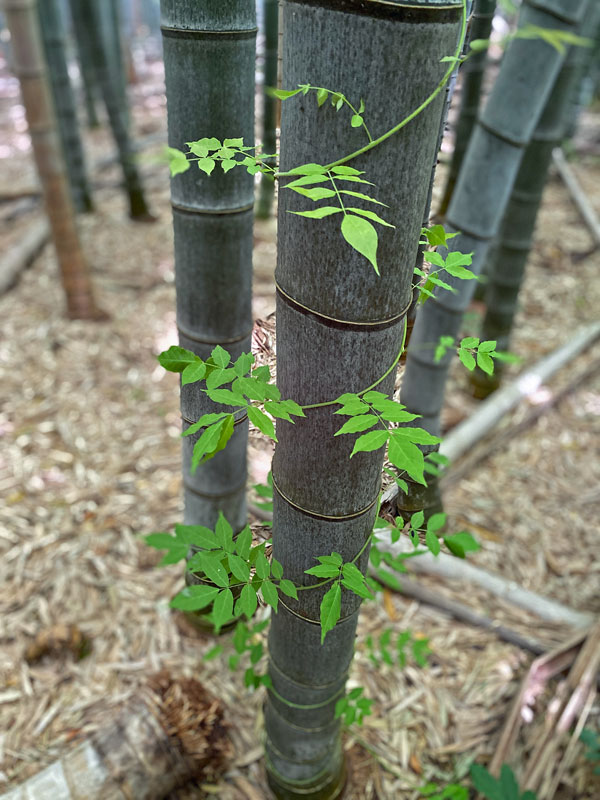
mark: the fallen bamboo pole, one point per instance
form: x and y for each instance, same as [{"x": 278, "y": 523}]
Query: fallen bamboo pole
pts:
[
  {"x": 23, "y": 253},
  {"x": 168, "y": 734},
  {"x": 577, "y": 194}
]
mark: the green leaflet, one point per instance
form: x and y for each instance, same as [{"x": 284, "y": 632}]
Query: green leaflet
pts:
[
  {"x": 358, "y": 424},
  {"x": 318, "y": 213},
  {"x": 247, "y": 601},
  {"x": 178, "y": 162},
  {"x": 364, "y": 212},
  {"x": 222, "y": 609},
  {"x": 262, "y": 422},
  {"x": 370, "y": 441},
  {"x": 176, "y": 359},
  {"x": 176, "y": 551},
  {"x": 213, "y": 568},
  {"x": 194, "y": 598},
  {"x": 269, "y": 593},
  {"x": 288, "y": 588},
  {"x": 461, "y": 543},
  {"x": 330, "y": 609},
  {"x": 193, "y": 372},
  {"x": 406, "y": 456},
  {"x": 205, "y": 419},
  {"x": 360, "y": 195},
  {"x": 362, "y": 236}
]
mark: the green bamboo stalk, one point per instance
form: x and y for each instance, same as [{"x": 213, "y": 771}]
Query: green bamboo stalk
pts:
[
  {"x": 488, "y": 172},
  {"x": 209, "y": 51},
  {"x": 269, "y": 121},
  {"x": 29, "y": 65},
  {"x": 473, "y": 72},
  {"x": 90, "y": 13},
  {"x": 53, "y": 37},
  {"x": 507, "y": 268},
  {"x": 86, "y": 65},
  {"x": 339, "y": 328}
]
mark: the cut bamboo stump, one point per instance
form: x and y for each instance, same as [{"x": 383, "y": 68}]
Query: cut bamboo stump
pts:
[{"x": 171, "y": 732}]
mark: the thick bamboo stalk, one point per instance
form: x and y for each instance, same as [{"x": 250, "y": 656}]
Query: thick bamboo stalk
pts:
[
  {"x": 88, "y": 14},
  {"x": 209, "y": 70},
  {"x": 53, "y": 37},
  {"x": 269, "y": 120},
  {"x": 490, "y": 166},
  {"x": 168, "y": 734},
  {"x": 506, "y": 269},
  {"x": 21, "y": 17},
  {"x": 339, "y": 328},
  {"x": 473, "y": 72}
]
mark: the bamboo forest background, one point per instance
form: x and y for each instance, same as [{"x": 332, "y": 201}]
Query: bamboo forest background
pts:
[{"x": 91, "y": 457}]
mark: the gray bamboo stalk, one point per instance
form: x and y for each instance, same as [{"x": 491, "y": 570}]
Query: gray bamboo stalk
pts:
[
  {"x": 339, "y": 327},
  {"x": 209, "y": 51},
  {"x": 29, "y": 65},
  {"x": 506, "y": 270},
  {"x": 53, "y": 37},
  {"x": 473, "y": 71},
  {"x": 269, "y": 120},
  {"x": 89, "y": 14},
  {"x": 489, "y": 169},
  {"x": 86, "y": 65}
]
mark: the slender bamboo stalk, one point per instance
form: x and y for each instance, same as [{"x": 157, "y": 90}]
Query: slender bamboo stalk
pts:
[
  {"x": 86, "y": 65},
  {"x": 473, "y": 72},
  {"x": 53, "y": 38},
  {"x": 209, "y": 70},
  {"x": 489, "y": 169},
  {"x": 21, "y": 17},
  {"x": 269, "y": 138},
  {"x": 507, "y": 268},
  {"x": 88, "y": 14},
  {"x": 339, "y": 327}
]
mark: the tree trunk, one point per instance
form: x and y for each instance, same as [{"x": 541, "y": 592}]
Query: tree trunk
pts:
[
  {"x": 88, "y": 15},
  {"x": 488, "y": 172},
  {"x": 168, "y": 734},
  {"x": 209, "y": 52},
  {"x": 86, "y": 65},
  {"x": 339, "y": 328},
  {"x": 53, "y": 38},
  {"x": 473, "y": 72},
  {"x": 21, "y": 17},
  {"x": 507, "y": 269},
  {"x": 269, "y": 138}
]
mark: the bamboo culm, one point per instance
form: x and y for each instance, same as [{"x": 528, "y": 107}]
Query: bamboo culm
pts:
[
  {"x": 506, "y": 268},
  {"x": 478, "y": 203},
  {"x": 29, "y": 65},
  {"x": 473, "y": 72},
  {"x": 53, "y": 37},
  {"x": 88, "y": 14},
  {"x": 209, "y": 52},
  {"x": 269, "y": 120},
  {"x": 339, "y": 327}
]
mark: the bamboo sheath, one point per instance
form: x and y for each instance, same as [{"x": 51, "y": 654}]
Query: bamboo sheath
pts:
[
  {"x": 490, "y": 166},
  {"x": 269, "y": 121},
  {"x": 339, "y": 327},
  {"x": 28, "y": 59},
  {"x": 54, "y": 41},
  {"x": 506, "y": 270},
  {"x": 473, "y": 71},
  {"x": 209, "y": 51},
  {"x": 88, "y": 19}
]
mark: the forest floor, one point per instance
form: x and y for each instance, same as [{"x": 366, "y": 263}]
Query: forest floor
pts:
[{"x": 90, "y": 462}]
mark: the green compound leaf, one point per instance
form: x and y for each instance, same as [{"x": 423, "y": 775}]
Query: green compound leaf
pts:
[
  {"x": 461, "y": 543},
  {"x": 288, "y": 588},
  {"x": 269, "y": 593},
  {"x": 247, "y": 601},
  {"x": 370, "y": 441},
  {"x": 318, "y": 213},
  {"x": 359, "y": 194},
  {"x": 362, "y": 236},
  {"x": 364, "y": 212},
  {"x": 178, "y": 162},
  {"x": 358, "y": 424},
  {"x": 194, "y": 598},
  {"x": 222, "y": 609},
  {"x": 262, "y": 422},
  {"x": 330, "y": 609},
  {"x": 406, "y": 456},
  {"x": 193, "y": 373},
  {"x": 176, "y": 359}
]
